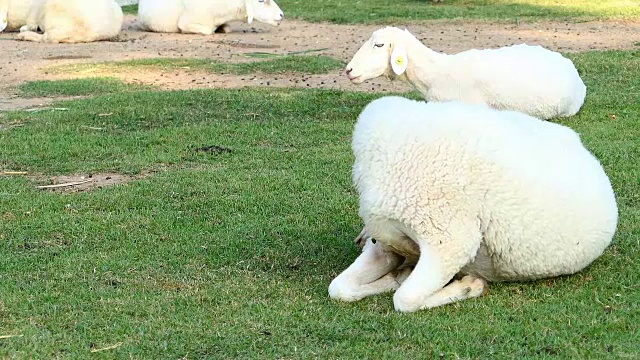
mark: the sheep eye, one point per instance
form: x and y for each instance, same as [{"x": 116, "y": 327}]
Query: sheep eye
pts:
[
  {"x": 378, "y": 45},
  {"x": 260, "y": 1}
]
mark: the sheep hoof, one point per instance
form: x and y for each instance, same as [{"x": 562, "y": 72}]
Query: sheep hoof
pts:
[
  {"x": 361, "y": 239},
  {"x": 475, "y": 287},
  {"x": 223, "y": 29}
]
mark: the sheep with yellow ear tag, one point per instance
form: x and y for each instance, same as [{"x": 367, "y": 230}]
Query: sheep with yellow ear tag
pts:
[{"x": 529, "y": 79}]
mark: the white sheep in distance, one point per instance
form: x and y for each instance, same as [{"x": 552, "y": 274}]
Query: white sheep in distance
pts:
[
  {"x": 462, "y": 189},
  {"x": 13, "y": 14},
  {"x": 72, "y": 21},
  {"x": 205, "y": 16},
  {"x": 529, "y": 79}
]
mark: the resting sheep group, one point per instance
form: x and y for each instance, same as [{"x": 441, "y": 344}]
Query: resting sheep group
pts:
[
  {"x": 75, "y": 21},
  {"x": 205, "y": 16},
  {"x": 461, "y": 189},
  {"x": 528, "y": 79},
  {"x": 63, "y": 21}
]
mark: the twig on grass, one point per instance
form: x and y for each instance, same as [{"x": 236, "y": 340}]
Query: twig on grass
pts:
[
  {"x": 46, "y": 108},
  {"x": 115, "y": 346},
  {"x": 91, "y": 127},
  {"x": 64, "y": 185},
  {"x": 10, "y": 336}
]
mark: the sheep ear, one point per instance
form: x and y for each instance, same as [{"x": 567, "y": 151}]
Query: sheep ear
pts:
[
  {"x": 3, "y": 20},
  {"x": 250, "y": 10},
  {"x": 399, "y": 60}
]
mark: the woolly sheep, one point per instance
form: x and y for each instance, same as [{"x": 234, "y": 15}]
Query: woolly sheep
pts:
[
  {"x": 456, "y": 188},
  {"x": 529, "y": 79},
  {"x": 72, "y": 21},
  {"x": 13, "y": 14},
  {"x": 205, "y": 16}
]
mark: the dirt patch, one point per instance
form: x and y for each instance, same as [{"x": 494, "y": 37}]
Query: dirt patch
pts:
[
  {"x": 79, "y": 183},
  {"x": 25, "y": 61}
]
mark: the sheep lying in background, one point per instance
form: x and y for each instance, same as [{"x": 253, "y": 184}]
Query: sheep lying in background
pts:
[
  {"x": 13, "y": 14},
  {"x": 456, "y": 188},
  {"x": 72, "y": 21},
  {"x": 205, "y": 16},
  {"x": 528, "y": 79}
]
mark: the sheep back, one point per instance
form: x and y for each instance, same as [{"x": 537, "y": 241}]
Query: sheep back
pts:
[{"x": 529, "y": 79}]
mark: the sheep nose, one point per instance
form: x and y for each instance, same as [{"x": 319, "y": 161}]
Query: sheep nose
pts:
[
  {"x": 348, "y": 71},
  {"x": 281, "y": 16}
]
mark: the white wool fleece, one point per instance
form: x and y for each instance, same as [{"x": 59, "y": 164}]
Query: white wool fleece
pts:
[
  {"x": 495, "y": 194},
  {"x": 13, "y": 14},
  {"x": 72, "y": 21},
  {"x": 529, "y": 79},
  {"x": 205, "y": 16}
]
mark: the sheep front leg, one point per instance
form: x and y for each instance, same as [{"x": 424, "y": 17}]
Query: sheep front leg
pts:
[
  {"x": 29, "y": 27},
  {"x": 30, "y": 36},
  {"x": 466, "y": 288},
  {"x": 370, "y": 274},
  {"x": 195, "y": 29},
  {"x": 192, "y": 23},
  {"x": 31, "y": 23},
  {"x": 442, "y": 256}
]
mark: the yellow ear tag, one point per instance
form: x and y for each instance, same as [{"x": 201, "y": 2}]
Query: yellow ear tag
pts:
[{"x": 399, "y": 60}]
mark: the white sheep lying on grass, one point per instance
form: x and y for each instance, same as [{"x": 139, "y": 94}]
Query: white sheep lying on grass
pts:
[
  {"x": 205, "y": 16},
  {"x": 13, "y": 14},
  {"x": 529, "y": 79},
  {"x": 455, "y": 188},
  {"x": 72, "y": 21}
]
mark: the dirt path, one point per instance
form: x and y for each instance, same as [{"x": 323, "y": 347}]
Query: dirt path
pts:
[{"x": 24, "y": 61}]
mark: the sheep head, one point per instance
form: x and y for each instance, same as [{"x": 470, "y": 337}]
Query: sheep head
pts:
[
  {"x": 266, "y": 11},
  {"x": 385, "y": 53}
]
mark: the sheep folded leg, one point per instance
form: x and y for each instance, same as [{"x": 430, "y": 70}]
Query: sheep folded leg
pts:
[
  {"x": 29, "y": 27},
  {"x": 442, "y": 256},
  {"x": 192, "y": 24},
  {"x": 30, "y": 36},
  {"x": 466, "y": 288},
  {"x": 371, "y": 273}
]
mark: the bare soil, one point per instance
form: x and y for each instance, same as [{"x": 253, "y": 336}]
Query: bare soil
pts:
[
  {"x": 25, "y": 61},
  {"x": 81, "y": 182}
]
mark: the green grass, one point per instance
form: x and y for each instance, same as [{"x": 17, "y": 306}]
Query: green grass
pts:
[
  {"x": 130, "y": 9},
  {"x": 78, "y": 87},
  {"x": 229, "y": 255},
  {"x": 384, "y": 11},
  {"x": 401, "y": 11},
  {"x": 305, "y": 64}
]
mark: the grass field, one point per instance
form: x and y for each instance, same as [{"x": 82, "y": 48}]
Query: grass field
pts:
[
  {"x": 273, "y": 64},
  {"x": 228, "y": 252},
  {"x": 381, "y": 11},
  {"x": 78, "y": 87}
]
